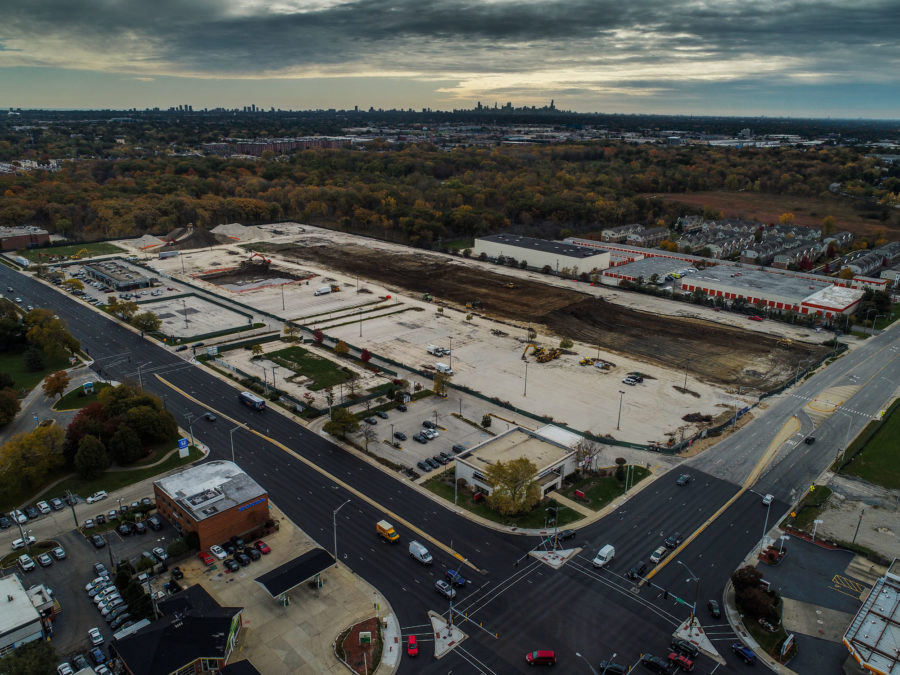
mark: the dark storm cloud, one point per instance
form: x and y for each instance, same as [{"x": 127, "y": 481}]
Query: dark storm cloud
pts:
[{"x": 220, "y": 38}]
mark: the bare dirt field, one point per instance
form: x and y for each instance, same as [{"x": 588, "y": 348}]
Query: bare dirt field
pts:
[
  {"x": 711, "y": 352},
  {"x": 808, "y": 211}
]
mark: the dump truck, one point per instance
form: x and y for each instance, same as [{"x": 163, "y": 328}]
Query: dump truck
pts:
[{"x": 387, "y": 532}]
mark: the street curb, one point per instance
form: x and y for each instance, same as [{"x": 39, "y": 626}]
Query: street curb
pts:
[{"x": 731, "y": 613}]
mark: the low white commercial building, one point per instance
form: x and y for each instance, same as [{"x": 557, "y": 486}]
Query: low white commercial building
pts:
[
  {"x": 540, "y": 253},
  {"x": 554, "y": 459},
  {"x": 20, "y": 621}
]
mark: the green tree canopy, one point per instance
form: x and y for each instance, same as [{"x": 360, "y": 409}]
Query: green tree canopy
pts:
[
  {"x": 9, "y": 406},
  {"x": 125, "y": 445},
  {"x": 146, "y": 322},
  {"x": 513, "y": 487},
  {"x": 33, "y": 658},
  {"x": 342, "y": 423},
  {"x": 90, "y": 460}
]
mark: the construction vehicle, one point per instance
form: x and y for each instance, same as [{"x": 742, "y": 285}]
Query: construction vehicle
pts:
[
  {"x": 427, "y": 297},
  {"x": 80, "y": 254},
  {"x": 548, "y": 355},
  {"x": 474, "y": 304},
  {"x": 509, "y": 285},
  {"x": 535, "y": 350},
  {"x": 387, "y": 532},
  {"x": 785, "y": 342},
  {"x": 587, "y": 361}
]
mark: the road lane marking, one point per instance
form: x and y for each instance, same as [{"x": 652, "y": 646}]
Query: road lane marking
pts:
[{"x": 371, "y": 502}]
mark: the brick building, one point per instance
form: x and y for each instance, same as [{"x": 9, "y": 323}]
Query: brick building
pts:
[
  {"x": 15, "y": 238},
  {"x": 214, "y": 499}
]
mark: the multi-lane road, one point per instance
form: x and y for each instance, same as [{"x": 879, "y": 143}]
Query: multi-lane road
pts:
[{"x": 511, "y": 608}]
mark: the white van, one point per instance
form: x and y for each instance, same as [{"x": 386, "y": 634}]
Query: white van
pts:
[
  {"x": 443, "y": 368},
  {"x": 604, "y": 555},
  {"x": 419, "y": 552}
]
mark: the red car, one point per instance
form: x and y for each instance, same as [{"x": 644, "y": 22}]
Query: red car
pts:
[
  {"x": 755, "y": 317},
  {"x": 680, "y": 660},
  {"x": 412, "y": 648},
  {"x": 206, "y": 558},
  {"x": 261, "y": 546},
  {"x": 543, "y": 657}
]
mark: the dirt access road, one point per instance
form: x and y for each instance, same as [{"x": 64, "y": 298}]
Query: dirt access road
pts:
[{"x": 711, "y": 352}]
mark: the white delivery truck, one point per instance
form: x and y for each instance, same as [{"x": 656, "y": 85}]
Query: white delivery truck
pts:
[
  {"x": 443, "y": 368},
  {"x": 323, "y": 290}
]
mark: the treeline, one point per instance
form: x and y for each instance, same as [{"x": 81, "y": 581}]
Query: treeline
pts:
[{"x": 416, "y": 194}]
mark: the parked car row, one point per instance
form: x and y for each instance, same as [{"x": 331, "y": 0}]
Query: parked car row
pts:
[
  {"x": 242, "y": 554},
  {"x": 27, "y": 513}
]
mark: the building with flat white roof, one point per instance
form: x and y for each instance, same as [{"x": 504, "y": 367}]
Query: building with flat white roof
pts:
[
  {"x": 538, "y": 253},
  {"x": 217, "y": 500},
  {"x": 553, "y": 458},
  {"x": 20, "y": 622},
  {"x": 873, "y": 637}
]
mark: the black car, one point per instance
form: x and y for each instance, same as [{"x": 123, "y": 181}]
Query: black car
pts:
[
  {"x": 238, "y": 542},
  {"x": 153, "y": 523},
  {"x": 423, "y": 466},
  {"x": 120, "y": 621},
  {"x": 4, "y": 522},
  {"x": 809, "y": 440},
  {"x": 445, "y": 455},
  {"x": 611, "y": 668},
  {"x": 458, "y": 449},
  {"x": 383, "y": 415},
  {"x": 566, "y": 534},
  {"x": 229, "y": 547},
  {"x": 210, "y": 417},
  {"x": 689, "y": 649},
  {"x": 140, "y": 528},
  {"x": 655, "y": 664},
  {"x": 439, "y": 459},
  {"x": 428, "y": 424},
  {"x": 177, "y": 573},
  {"x": 419, "y": 438},
  {"x": 684, "y": 479},
  {"x": 401, "y": 408},
  {"x": 637, "y": 571},
  {"x": 32, "y": 512},
  {"x": 713, "y": 608},
  {"x": 231, "y": 565},
  {"x": 430, "y": 462},
  {"x": 181, "y": 348},
  {"x": 242, "y": 558},
  {"x": 399, "y": 435},
  {"x": 80, "y": 662},
  {"x": 98, "y": 541},
  {"x": 673, "y": 540},
  {"x": 252, "y": 552},
  {"x": 370, "y": 420},
  {"x": 100, "y": 519},
  {"x": 125, "y": 529},
  {"x": 146, "y": 501}
]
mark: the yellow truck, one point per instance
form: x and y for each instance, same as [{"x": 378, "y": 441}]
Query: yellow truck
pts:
[{"x": 387, "y": 532}]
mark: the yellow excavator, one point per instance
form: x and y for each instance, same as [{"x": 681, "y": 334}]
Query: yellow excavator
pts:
[
  {"x": 535, "y": 350},
  {"x": 77, "y": 256},
  {"x": 549, "y": 355}
]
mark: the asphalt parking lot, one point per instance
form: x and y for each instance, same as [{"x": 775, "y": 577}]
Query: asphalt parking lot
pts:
[
  {"x": 452, "y": 430},
  {"x": 67, "y": 578}
]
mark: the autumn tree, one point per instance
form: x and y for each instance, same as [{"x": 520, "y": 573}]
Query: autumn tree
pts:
[
  {"x": 31, "y": 456},
  {"x": 341, "y": 348},
  {"x": 513, "y": 487},
  {"x": 440, "y": 383},
  {"x": 318, "y": 336},
  {"x": 828, "y": 225},
  {"x": 146, "y": 322},
  {"x": 49, "y": 334},
  {"x": 126, "y": 309},
  {"x": 365, "y": 355},
  {"x": 90, "y": 460},
  {"x": 786, "y": 218},
  {"x": 55, "y": 383},
  {"x": 9, "y": 405},
  {"x": 256, "y": 350},
  {"x": 342, "y": 422},
  {"x": 291, "y": 330}
]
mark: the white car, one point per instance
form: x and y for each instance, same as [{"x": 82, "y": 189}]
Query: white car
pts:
[
  {"x": 97, "y": 496},
  {"x": 20, "y": 543},
  {"x": 64, "y": 669},
  {"x": 96, "y": 636},
  {"x": 111, "y": 606},
  {"x": 218, "y": 552},
  {"x": 105, "y": 593},
  {"x": 26, "y": 563},
  {"x": 99, "y": 581},
  {"x": 768, "y": 499},
  {"x": 20, "y": 517},
  {"x": 43, "y": 507}
]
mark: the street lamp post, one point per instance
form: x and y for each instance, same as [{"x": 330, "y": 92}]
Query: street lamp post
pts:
[
  {"x": 762, "y": 541},
  {"x": 619, "y": 420},
  {"x": 593, "y": 670},
  {"x": 696, "y": 591},
  {"x": 816, "y": 524},
  {"x": 231, "y": 435},
  {"x": 335, "y": 528},
  {"x": 525, "y": 392},
  {"x": 282, "y": 297},
  {"x": 190, "y": 419},
  {"x": 783, "y": 539}
]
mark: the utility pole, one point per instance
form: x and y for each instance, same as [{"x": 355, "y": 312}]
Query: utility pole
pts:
[{"x": 619, "y": 421}]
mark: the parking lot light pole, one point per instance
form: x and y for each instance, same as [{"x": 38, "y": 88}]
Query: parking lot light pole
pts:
[
  {"x": 762, "y": 541},
  {"x": 525, "y": 393},
  {"x": 816, "y": 524},
  {"x": 231, "y": 435},
  {"x": 619, "y": 421},
  {"x": 335, "y": 528},
  {"x": 190, "y": 418},
  {"x": 593, "y": 670},
  {"x": 451, "y": 351}
]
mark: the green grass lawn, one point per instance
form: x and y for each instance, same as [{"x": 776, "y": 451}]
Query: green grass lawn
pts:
[
  {"x": 113, "y": 480},
  {"x": 72, "y": 401},
  {"x": 320, "y": 370},
  {"x": 99, "y": 248},
  {"x": 877, "y": 462},
  {"x": 807, "y": 511},
  {"x": 601, "y": 490},
  {"x": 14, "y": 364},
  {"x": 536, "y": 518}
]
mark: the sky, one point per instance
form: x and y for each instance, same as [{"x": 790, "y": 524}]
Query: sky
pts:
[{"x": 801, "y": 58}]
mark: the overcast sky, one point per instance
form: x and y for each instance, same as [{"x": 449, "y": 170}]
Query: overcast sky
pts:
[{"x": 822, "y": 58}]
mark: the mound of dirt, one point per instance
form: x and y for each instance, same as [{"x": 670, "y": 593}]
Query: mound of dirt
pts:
[
  {"x": 186, "y": 239},
  {"x": 710, "y": 351}
]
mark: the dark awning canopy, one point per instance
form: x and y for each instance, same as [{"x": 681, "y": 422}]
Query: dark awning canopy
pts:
[{"x": 295, "y": 572}]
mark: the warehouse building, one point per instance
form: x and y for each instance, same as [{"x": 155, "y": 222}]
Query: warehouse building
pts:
[
  {"x": 643, "y": 271},
  {"x": 14, "y": 238},
  {"x": 215, "y": 499},
  {"x": 795, "y": 293},
  {"x": 874, "y": 634},
  {"x": 553, "y": 458},
  {"x": 117, "y": 275},
  {"x": 540, "y": 253}
]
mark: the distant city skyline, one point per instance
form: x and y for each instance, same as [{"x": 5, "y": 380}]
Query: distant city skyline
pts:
[{"x": 798, "y": 58}]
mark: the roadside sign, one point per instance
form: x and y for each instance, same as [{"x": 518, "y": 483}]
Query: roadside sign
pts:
[{"x": 182, "y": 443}]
